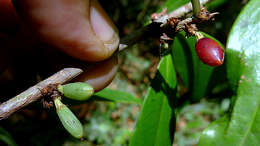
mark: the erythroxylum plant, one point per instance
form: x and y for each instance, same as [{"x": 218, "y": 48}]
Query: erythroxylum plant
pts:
[
  {"x": 193, "y": 56},
  {"x": 156, "y": 122},
  {"x": 207, "y": 49}
]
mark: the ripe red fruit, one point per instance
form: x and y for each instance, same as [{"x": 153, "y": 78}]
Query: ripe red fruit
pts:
[{"x": 209, "y": 52}]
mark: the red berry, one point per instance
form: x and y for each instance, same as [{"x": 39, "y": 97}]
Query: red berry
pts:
[{"x": 209, "y": 52}]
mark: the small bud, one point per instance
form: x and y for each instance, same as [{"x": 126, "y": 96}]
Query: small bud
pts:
[
  {"x": 68, "y": 119},
  {"x": 209, "y": 52},
  {"x": 76, "y": 91}
]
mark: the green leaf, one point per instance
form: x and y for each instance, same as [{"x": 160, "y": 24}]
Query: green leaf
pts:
[
  {"x": 116, "y": 96},
  {"x": 156, "y": 122},
  {"x": 6, "y": 137},
  {"x": 242, "y": 127},
  {"x": 194, "y": 74},
  {"x": 215, "y": 4},
  {"x": 174, "y": 4}
]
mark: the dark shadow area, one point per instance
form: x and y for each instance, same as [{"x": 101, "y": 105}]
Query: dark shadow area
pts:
[
  {"x": 36, "y": 127},
  {"x": 188, "y": 57},
  {"x": 159, "y": 84}
]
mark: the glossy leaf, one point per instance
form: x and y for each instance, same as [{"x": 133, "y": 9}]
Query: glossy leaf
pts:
[
  {"x": 194, "y": 74},
  {"x": 242, "y": 128},
  {"x": 156, "y": 122},
  {"x": 116, "y": 96}
]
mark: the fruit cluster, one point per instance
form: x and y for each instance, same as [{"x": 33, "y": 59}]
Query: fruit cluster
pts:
[{"x": 76, "y": 91}]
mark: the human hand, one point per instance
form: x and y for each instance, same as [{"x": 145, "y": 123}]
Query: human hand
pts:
[{"x": 80, "y": 28}]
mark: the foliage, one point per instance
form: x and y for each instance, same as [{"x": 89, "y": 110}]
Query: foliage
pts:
[
  {"x": 238, "y": 127},
  {"x": 241, "y": 125},
  {"x": 157, "y": 118},
  {"x": 174, "y": 109}
]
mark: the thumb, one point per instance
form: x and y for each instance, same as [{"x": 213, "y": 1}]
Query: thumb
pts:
[{"x": 80, "y": 28}]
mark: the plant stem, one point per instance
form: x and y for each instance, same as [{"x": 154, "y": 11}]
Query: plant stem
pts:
[
  {"x": 196, "y": 7},
  {"x": 139, "y": 35},
  {"x": 34, "y": 93},
  {"x": 185, "y": 9}
]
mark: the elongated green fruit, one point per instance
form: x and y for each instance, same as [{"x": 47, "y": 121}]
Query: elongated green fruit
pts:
[
  {"x": 77, "y": 91},
  {"x": 68, "y": 119}
]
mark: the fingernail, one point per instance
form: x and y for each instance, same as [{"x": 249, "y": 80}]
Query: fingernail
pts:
[{"x": 101, "y": 23}]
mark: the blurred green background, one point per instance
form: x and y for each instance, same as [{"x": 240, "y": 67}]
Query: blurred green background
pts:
[{"x": 108, "y": 123}]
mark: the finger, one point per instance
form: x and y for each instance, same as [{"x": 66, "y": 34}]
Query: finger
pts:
[
  {"x": 100, "y": 75},
  {"x": 80, "y": 28}
]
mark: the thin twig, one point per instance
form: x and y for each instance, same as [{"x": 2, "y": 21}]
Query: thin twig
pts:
[
  {"x": 185, "y": 9},
  {"x": 138, "y": 35},
  {"x": 34, "y": 93}
]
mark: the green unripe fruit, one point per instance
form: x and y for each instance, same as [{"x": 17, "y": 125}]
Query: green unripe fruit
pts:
[
  {"x": 76, "y": 91},
  {"x": 68, "y": 119}
]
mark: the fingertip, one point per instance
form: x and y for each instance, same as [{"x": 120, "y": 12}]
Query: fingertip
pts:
[{"x": 103, "y": 27}]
